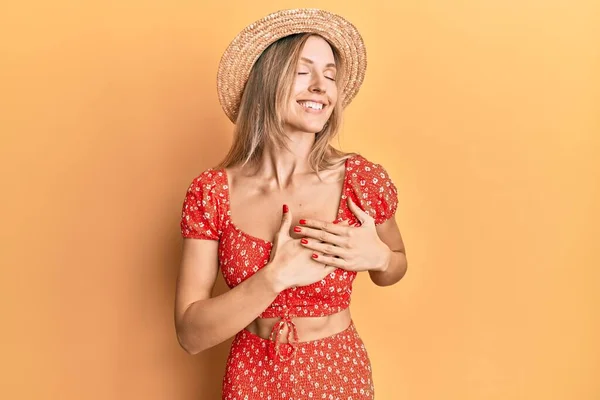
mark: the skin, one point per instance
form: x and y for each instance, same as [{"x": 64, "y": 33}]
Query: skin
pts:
[{"x": 257, "y": 194}]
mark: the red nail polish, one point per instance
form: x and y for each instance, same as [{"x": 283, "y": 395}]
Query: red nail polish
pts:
[
  {"x": 297, "y": 229},
  {"x": 304, "y": 241},
  {"x": 285, "y": 208},
  {"x": 302, "y": 222},
  {"x": 314, "y": 256}
]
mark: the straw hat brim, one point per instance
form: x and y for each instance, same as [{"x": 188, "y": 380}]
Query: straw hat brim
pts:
[{"x": 248, "y": 45}]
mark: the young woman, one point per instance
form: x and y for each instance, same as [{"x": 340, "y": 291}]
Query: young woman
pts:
[{"x": 287, "y": 218}]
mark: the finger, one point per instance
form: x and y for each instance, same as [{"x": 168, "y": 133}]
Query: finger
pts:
[
  {"x": 330, "y": 261},
  {"x": 286, "y": 221},
  {"x": 325, "y": 248},
  {"x": 337, "y": 229},
  {"x": 360, "y": 214},
  {"x": 346, "y": 222},
  {"x": 321, "y": 235}
]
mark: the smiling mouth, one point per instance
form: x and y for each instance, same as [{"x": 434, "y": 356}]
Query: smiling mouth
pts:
[{"x": 312, "y": 105}]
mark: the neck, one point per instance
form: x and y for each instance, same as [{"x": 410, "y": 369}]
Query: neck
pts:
[{"x": 281, "y": 165}]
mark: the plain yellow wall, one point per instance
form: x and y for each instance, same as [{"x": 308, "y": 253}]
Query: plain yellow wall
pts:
[{"x": 485, "y": 113}]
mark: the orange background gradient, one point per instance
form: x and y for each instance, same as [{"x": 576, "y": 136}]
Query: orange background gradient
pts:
[{"x": 485, "y": 113}]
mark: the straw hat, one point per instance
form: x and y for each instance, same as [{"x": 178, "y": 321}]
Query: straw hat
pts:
[{"x": 244, "y": 50}]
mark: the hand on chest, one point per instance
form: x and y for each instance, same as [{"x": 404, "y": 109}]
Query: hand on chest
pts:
[{"x": 260, "y": 215}]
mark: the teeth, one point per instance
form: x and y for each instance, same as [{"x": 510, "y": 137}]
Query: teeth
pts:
[{"x": 312, "y": 104}]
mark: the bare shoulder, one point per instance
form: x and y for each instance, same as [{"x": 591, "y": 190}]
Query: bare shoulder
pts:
[
  {"x": 337, "y": 171},
  {"x": 333, "y": 174},
  {"x": 241, "y": 176}
]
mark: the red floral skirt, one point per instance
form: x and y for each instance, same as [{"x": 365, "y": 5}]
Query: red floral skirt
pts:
[{"x": 333, "y": 368}]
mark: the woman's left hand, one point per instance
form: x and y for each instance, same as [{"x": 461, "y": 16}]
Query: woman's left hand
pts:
[{"x": 348, "y": 247}]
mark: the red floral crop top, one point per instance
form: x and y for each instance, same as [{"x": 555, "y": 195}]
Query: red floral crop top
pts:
[{"x": 206, "y": 215}]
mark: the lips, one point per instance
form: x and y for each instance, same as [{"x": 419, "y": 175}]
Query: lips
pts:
[{"x": 312, "y": 105}]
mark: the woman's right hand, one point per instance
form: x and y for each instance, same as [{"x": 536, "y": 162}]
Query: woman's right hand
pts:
[{"x": 291, "y": 262}]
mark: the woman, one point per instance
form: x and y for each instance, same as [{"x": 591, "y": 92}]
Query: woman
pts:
[{"x": 289, "y": 220}]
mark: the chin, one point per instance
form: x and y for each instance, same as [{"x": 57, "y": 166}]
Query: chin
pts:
[
  {"x": 313, "y": 130},
  {"x": 308, "y": 127},
  {"x": 316, "y": 129}
]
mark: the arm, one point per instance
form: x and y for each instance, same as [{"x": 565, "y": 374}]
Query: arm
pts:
[
  {"x": 202, "y": 322},
  {"x": 395, "y": 264}
]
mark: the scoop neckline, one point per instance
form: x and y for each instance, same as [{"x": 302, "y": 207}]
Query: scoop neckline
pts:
[{"x": 268, "y": 242}]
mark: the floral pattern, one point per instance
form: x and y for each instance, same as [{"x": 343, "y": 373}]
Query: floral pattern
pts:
[
  {"x": 335, "y": 368},
  {"x": 206, "y": 215}
]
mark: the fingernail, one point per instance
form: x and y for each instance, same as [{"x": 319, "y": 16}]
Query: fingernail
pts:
[
  {"x": 304, "y": 241},
  {"x": 285, "y": 208},
  {"x": 302, "y": 222},
  {"x": 297, "y": 229},
  {"x": 314, "y": 256}
]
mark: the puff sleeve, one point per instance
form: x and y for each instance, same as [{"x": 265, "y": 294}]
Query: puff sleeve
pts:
[
  {"x": 200, "y": 211},
  {"x": 374, "y": 190}
]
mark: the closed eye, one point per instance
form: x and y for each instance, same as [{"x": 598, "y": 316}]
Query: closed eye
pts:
[{"x": 306, "y": 73}]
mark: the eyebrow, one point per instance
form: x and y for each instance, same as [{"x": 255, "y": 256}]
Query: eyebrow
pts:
[{"x": 308, "y": 60}]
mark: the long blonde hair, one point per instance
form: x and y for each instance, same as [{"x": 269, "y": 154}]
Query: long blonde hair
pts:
[{"x": 259, "y": 121}]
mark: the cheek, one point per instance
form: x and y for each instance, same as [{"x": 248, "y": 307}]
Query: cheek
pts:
[
  {"x": 297, "y": 90},
  {"x": 333, "y": 97},
  {"x": 298, "y": 87},
  {"x": 333, "y": 93}
]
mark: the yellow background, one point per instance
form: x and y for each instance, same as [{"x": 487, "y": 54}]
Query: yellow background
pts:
[{"x": 485, "y": 113}]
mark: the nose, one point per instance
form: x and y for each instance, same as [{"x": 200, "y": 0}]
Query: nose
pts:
[{"x": 317, "y": 84}]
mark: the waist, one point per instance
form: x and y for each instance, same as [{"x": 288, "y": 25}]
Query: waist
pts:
[{"x": 308, "y": 328}]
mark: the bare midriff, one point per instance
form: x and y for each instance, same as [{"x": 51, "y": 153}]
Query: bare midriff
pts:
[{"x": 309, "y": 328}]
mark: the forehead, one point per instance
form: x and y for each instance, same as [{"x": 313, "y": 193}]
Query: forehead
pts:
[{"x": 317, "y": 50}]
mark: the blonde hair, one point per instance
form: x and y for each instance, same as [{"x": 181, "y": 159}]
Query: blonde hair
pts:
[{"x": 259, "y": 121}]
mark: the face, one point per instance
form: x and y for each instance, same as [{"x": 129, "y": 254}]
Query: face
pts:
[{"x": 314, "y": 92}]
